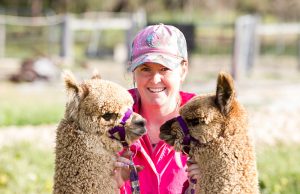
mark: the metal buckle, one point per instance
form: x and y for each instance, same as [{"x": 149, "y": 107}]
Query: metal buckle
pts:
[{"x": 186, "y": 149}]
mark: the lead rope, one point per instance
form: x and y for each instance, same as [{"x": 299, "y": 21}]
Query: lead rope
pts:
[
  {"x": 134, "y": 178},
  {"x": 193, "y": 181}
]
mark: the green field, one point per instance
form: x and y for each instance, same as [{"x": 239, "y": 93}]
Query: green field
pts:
[
  {"x": 28, "y": 104},
  {"x": 279, "y": 170},
  {"x": 28, "y": 169}
]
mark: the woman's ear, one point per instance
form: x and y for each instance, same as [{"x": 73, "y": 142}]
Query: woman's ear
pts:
[
  {"x": 133, "y": 80},
  {"x": 184, "y": 70}
]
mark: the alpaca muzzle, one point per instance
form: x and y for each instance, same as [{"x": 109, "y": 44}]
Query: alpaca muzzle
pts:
[
  {"x": 120, "y": 129},
  {"x": 165, "y": 132}
]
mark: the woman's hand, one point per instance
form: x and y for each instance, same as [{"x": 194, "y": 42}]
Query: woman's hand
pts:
[
  {"x": 122, "y": 171},
  {"x": 193, "y": 171}
]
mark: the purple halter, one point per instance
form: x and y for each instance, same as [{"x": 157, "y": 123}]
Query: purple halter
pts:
[
  {"x": 187, "y": 137},
  {"x": 134, "y": 179},
  {"x": 186, "y": 145},
  {"x": 121, "y": 129}
]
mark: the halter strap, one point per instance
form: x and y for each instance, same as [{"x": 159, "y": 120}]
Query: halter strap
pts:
[
  {"x": 126, "y": 116},
  {"x": 121, "y": 128},
  {"x": 187, "y": 138},
  {"x": 186, "y": 142}
]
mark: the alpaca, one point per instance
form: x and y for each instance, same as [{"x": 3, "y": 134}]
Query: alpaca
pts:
[
  {"x": 212, "y": 129},
  {"x": 86, "y": 142}
]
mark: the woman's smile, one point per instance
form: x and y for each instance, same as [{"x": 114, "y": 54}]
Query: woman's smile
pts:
[{"x": 156, "y": 90}]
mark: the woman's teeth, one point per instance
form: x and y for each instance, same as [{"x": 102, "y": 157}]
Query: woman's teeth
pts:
[{"x": 156, "y": 90}]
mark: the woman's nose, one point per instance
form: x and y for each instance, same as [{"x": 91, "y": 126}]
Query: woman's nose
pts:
[{"x": 156, "y": 78}]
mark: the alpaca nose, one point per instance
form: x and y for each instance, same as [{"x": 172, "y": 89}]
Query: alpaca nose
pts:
[
  {"x": 166, "y": 127},
  {"x": 140, "y": 123}
]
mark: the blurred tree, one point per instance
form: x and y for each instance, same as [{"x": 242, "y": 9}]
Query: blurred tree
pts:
[
  {"x": 174, "y": 4},
  {"x": 36, "y": 7},
  {"x": 284, "y": 10},
  {"x": 120, "y": 5},
  {"x": 253, "y": 6}
]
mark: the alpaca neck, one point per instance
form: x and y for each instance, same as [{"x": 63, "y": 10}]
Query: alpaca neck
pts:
[
  {"x": 227, "y": 168},
  {"x": 82, "y": 165}
]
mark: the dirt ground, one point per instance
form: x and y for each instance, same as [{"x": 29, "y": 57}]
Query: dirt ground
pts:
[{"x": 270, "y": 93}]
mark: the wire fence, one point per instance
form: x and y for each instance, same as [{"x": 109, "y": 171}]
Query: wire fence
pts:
[
  {"x": 58, "y": 34},
  {"x": 102, "y": 34}
]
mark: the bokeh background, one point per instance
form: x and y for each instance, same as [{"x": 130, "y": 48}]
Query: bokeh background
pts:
[{"x": 258, "y": 41}]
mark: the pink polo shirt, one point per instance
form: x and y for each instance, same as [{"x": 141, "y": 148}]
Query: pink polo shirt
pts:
[{"x": 164, "y": 168}]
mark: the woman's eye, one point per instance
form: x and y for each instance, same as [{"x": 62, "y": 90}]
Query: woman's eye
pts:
[
  {"x": 145, "y": 69},
  {"x": 193, "y": 122},
  {"x": 165, "y": 69},
  {"x": 108, "y": 116}
]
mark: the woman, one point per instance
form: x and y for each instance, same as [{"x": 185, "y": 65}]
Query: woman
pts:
[{"x": 159, "y": 63}]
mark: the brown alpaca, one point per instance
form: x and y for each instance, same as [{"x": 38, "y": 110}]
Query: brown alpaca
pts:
[
  {"x": 85, "y": 152},
  {"x": 217, "y": 140}
]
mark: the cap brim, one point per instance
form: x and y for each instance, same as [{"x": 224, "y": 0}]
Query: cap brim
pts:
[{"x": 159, "y": 58}]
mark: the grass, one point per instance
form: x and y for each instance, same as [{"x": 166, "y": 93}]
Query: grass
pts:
[
  {"x": 29, "y": 104},
  {"x": 29, "y": 114},
  {"x": 279, "y": 169},
  {"x": 28, "y": 169}
]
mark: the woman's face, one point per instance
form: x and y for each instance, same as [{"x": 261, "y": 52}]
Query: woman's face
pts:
[{"x": 159, "y": 85}]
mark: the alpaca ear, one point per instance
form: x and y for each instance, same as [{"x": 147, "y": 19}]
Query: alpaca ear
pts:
[
  {"x": 70, "y": 82},
  {"x": 75, "y": 93},
  {"x": 225, "y": 92},
  {"x": 96, "y": 74},
  {"x": 73, "y": 88}
]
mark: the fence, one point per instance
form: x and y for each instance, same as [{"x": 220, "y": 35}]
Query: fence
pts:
[
  {"x": 248, "y": 31},
  {"x": 96, "y": 22}
]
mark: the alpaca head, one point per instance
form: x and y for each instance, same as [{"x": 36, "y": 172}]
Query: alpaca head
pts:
[
  {"x": 206, "y": 117},
  {"x": 98, "y": 105}
]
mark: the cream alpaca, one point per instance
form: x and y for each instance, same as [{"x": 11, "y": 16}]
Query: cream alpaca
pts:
[
  {"x": 218, "y": 142},
  {"x": 85, "y": 153}
]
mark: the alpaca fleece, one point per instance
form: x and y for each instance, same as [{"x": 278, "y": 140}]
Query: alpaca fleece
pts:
[
  {"x": 85, "y": 154},
  {"x": 222, "y": 147}
]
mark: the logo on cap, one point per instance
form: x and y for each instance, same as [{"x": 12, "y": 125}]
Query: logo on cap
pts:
[
  {"x": 150, "y": 40},
  {"x": 158, "y": 39}
]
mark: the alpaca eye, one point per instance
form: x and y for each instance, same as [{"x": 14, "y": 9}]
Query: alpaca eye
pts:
[
  {"x": 193, "y": 122},
  {"x": 108, "y": 116}
]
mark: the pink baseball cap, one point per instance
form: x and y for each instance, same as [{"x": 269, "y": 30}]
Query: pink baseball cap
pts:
[{"x": 162, "y": 44}]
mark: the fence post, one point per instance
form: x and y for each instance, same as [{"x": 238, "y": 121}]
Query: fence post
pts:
[
  {"x": 67, "y": 39},
  {"x": 2, "y": 37},
  {"x": 138, "y": 21},
  {"x": 245, "y": 44},
  {"x": 298, "y": 52}
]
